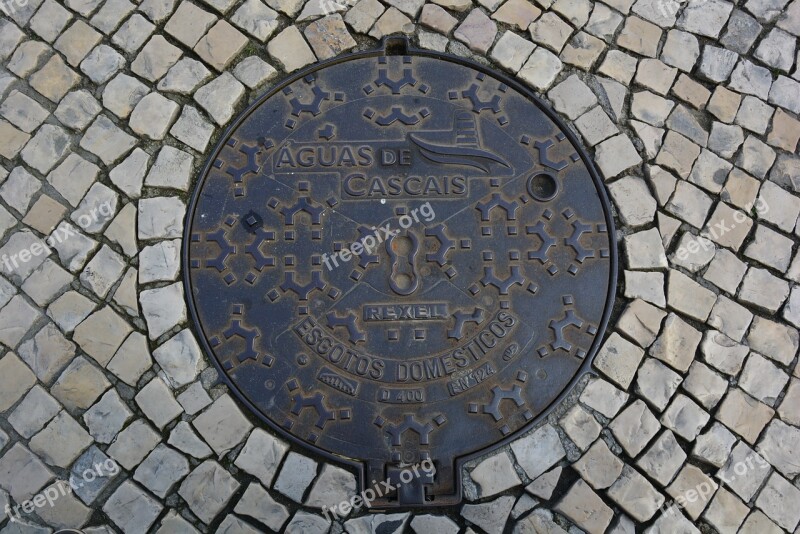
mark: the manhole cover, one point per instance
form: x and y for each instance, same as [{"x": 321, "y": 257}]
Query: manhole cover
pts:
[{"x": 400, "y": 257}]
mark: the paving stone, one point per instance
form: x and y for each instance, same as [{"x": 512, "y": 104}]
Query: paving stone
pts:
[
  {"x": 693, "y": 252},
  {"x": 23, "y": 111},
  {"x": 644, "y": 250},
  {"x": 16, "y": 379},
  {"x": 106, "y": 140},
  {"x": 663, "y": 459},
  {"x": 785, "y": 131},
  {"x": 744, "y": 415},
  {"x": 133, "y": 33},
  {"x": 580, "y": 426},
  {"x": 758, "y": 522},
  {"x": 11, "y": 37},
  {"x": 289, "y": 49},
  {"x": 133, "y": 444},
  {"x": 545, "y": 485},
  {"x": 258, "y": 504},
  {"x": 756, "y": 157},
  {"x": 634, "y": 428},
  {"x": 155, "y": 59},
  {"x": 655, "y": 75},
  {"x": 751, "y": 79},
  {"x": 419, "y": 524},
  {"x": 616, "y": 155},
  {"x": 511, "y": 51},
  {"x": 296, "y": 475},
  {"x": 770, "y": 248},
  {"x": 779, "y": 207},
  {"x": 153, "y": 116},
  {"x": 583, "y": 507},
  {"x": 61, "y": 441},
  {"x": 184, "y": 439},
  {"x": 256, "y": 19},
  {"x": 261, "y": 455},
  {"x": 220, "y": 45},
  {"x": 595, "y": 126},
  {"x": 778, "y": 500},
  {"x": 754, "y": 115},
  {"x": 79, "y": 385},
  {"x": 684, "y": 122},
  {"x": 705, "y": 18},
  {"x": 102, "y": 63},
  {"x": 603, "y": 22},
  {"x": 779, "y": 446},
  {"x": 179, "y": 357},
  {"x": 692, "y": 489},
  {"x": 762, "y": 289},
  {"x": 572, "y": 97},
  {"x": 705, "y": 385},
  {"x": 575, "y": 11},
  {"x": 159, "y": 262},
  {"x": 791, "y": 311},
  {"x": 157, "y": 403},
  {"x": 603, "y": 397},
  {"x": 619, "y": 66},
  {"x": 710, "y": 171},
  {"x": 744, "y": 472},
  {"x": 648, "y": 286},
  {"x": 777, "y": 50},
  {"x": 725, "y": 139},
  {"x": 550, "y": 31},
  {"x": 47, "y": 148},
  {"x": 77, "y": 41},
  {"x": 538, "y": 451},
  {"x": 491, "y": 476},
  {"x": 35, "y": 410},
  {"x": 103, "y": 271},
  {"x": 22, "y": 474},
  {"x": 656, "y": 383},
  {"x": 110, "y": 14},
  {"x": 691, "y": 91},
  {"x": 11, "y": 140},
  {"x": 717, "y": 63},
  {"x": 724, "y": 104},
  {"x": 519, "y": 14},
  {"x": 194, "y": 398},
  {"x": 107, "y": 417},
  {"x": 651, "y": 108},
  {"x": 251, "y": 71},
  {"x": 634, "y": 494},
  {"x": 68, "y": 310},
  {"x": 641, "y": 322},
  {"x": 363, "y": 15},
  {"x": 491, "y": 517},
  {"x": 723, "y": 353},
  {"x": 726, "y": 512},
  {"x": 160, "y": 217},
  {"x": 437, "y": 19},
  {"x": 163, "y": 468},
  {"x": 784, "y": 93},
  {"x": 220, "y": 96},
  {"x": 679, "y": 154},
  {"x": 101, "y": 334},
  {"x": 714, "y": 446},
  {"x": 688, "y": 297},
  {"x": 104, "y": 471},
  {"x": 598, "y": 466},
  {"x": 541, "y": 69},
  {"x": 741, "y": 33},
  {"x": 222, "y": 425},
  {"x": 640, "y": 36},
  {"x": 774, "y": 340},
  {"x": 685, "y": 418},
  {"x": 131, "y": 508},
  {"x": 189, "y": 23},
  {"x": 789, "y": 409},
  {"x": 618, "y": 360}
]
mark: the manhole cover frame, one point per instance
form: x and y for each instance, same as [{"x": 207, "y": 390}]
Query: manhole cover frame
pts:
[{"x": 393, "y": 46}]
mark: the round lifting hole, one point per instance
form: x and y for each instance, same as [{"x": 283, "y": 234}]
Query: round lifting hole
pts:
[{"x": 543, "y": 186}]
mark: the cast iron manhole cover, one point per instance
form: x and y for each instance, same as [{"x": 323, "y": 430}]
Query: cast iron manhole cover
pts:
[{"x": 400, "y": 257}]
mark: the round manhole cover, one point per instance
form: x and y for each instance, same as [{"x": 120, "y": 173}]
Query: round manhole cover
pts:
[{"x": 401, "y": 257}]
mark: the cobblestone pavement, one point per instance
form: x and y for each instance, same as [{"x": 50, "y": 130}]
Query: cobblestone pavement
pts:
[{"x": 691, "y": 111}]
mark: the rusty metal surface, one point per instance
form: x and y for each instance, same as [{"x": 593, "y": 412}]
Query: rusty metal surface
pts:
[{"x": 484, "y": 297}]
